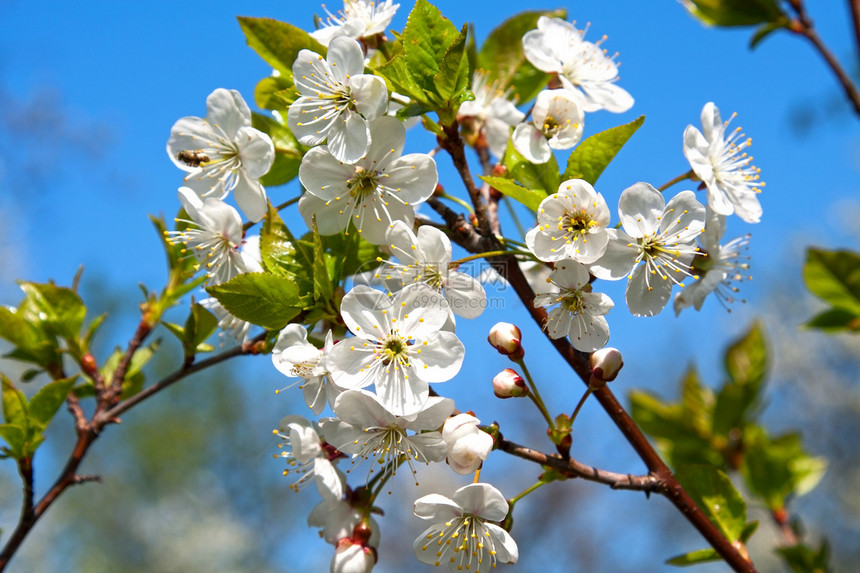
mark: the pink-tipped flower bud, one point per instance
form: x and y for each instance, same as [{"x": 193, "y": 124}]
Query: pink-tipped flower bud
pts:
[
  {"x": 352, "y": 557},
  {"x": 505, "y": 337},
  {"x": 509, "y": 384},
  {"x": 605, "y": 365}
]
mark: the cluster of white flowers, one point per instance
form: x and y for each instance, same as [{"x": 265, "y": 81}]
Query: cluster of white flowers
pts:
[{"x": 398, "y": 339}]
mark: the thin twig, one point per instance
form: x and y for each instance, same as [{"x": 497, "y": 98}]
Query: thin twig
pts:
[
  {"x": 803, "y": 26},
  {"x": 855, "y": 18},
  {"x": 572, "y": 468}
]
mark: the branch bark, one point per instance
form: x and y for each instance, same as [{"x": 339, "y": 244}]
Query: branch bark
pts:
[{"x": 481, "y": 240}]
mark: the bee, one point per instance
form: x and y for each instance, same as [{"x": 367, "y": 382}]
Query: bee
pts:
[{"x": 193, "y": 158}]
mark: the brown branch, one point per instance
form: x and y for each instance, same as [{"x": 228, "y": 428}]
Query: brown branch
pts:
[
  {"x": 111, "y": 415},
  {"x": 475, "y": 241},
  {"x": 855, "y": 19},
  {"x": 112, "y": 395},
  {"x": 803, "y": 25},
  {"x": 572, "y": 468},
  {"x": 90, "y": 431},
  {"x": 456, "y": 148}
]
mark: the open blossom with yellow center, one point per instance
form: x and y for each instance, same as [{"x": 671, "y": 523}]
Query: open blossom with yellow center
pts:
[
  {"x": 720, "y": 160},
  {"x": 337, "y": 99},
  {"x": 370, "y": 193},
  {"x": 660, "y": 236},
  {"x": 571, "y": 224},
  {"x": 399, "y": 346},
  {"x": 365, "y": 429},
  {"x": 557, "y": 123},
  {"x": 576, "y": 312},
  {"x": 557, "y": 47},
  {"x": 462, "y": 535}
]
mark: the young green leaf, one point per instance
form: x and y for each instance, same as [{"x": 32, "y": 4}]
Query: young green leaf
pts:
[
  {"x": 735, "y": 12},
  {"x": 278, "y": 43},
  {"x": 694, "y": 557},
  {"x": 265, "y": 300},
  {"x": 288, "y": 151},
  {"x": 275, "y": 92},
  {"x": 452, "y": 80},
  {"x": 32, "y": 343},
  {"x": 593, "y": 155},
  {"x": 61, "y": 309},
  {"x": 277, "y": 248},
  {"x": 543, "y": 177},
  {"x": 15, "y": 406},
  {"x": 834, "y": 276},
  {"x": 323, "y": 287},
  {"x": 528, "y": 197},
  {"x": 45, "y": 403},
  {"x": 715, "y": 495},
  {"x": 14, "y": 437},
  {"x": 835, "y": 320},
  {"x": 426, "y": 38}
]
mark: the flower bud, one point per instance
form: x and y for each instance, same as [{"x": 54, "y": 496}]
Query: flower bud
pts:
[
  {"x": 509, "y": 384},
  {"x": 468, "y": 446},
  {"x": 605, "y": 365},
  {"x": 352, "y": 557},
  {"x": 505, "y": 337}
]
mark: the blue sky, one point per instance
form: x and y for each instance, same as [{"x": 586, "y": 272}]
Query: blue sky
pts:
[{"x": 121, "y": 76}]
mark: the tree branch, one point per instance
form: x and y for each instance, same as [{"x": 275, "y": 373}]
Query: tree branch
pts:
[
  {"x": 803, "y": 26},
  {"x": 572, "y": 468}
]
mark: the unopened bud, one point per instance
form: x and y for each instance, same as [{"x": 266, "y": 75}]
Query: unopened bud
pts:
[
  {"x": 505, "y": 337},
  {"x": 605, "y": 365},
  {"x": 352, "y": 557},
  {"x": 509, "y": 384}
]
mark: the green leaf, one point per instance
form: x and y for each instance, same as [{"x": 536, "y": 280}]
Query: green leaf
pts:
[
  {"x": 351, "y": 254},
  {"x": 275, "y": 92},
  {"x": 835, "y": 320},
  {"x": 777, "y": 469},
  {"x": 323, "y": 287},
  {"x": 694, "y": 557},
  {"x": 266, "y": 300},
  {"x": 14, "y": 436},
  {"x": 735, "y": 12},
  {"x": 543, "y": 177},
  {"x": 398, "y": 77},
  {"x": 502, "y": 58},
  {"x": 834, "y": 276},
  {"x": 593, "y": 155},
  {"x": 529, "y": 198},
  {"x": 15, "y": 407},
  {"x": 746, "y": 365},
  {"x": 766, "y": 30},
  {"x": 453, "y": 78},
  {"x": 277, "y": 248},
  {"x": 32, "y": 343},
  {"x": 61, "y": 309},
  {"x": 288, "y": 151},
  {"x": 278, "y": 43},
  {"x": 45, "y": 403},
  {"x": 198, "y": 327},
  {"x": 426, "y": 38},
  {"x": 715, "y": 495},
  {"x": 802, "y": 558},
  {"x": 697, "y": 401}
]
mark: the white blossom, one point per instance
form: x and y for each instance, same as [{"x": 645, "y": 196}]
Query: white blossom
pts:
[
  {"x": 583, "y": 67},
  {"x": 557, "y": 123},
  {"x": 352, "y": 557},
  {"x": 358, "y": 19},
  {"x": 425, "y": 257},
  {"x": 571, "y": 224},
  {"x": 365, "y": 429},
  {"x": 719, "y": 266},
  {"x": 398, "y": 346},
  {"x": 294, "y": 356},
  {"x": 468, "y": 446},
  {"x": 307, "y": 455},
  {"x": 493, "y": 112},
  {"x": 721, "y": 162},
  {"x": 337, "y": 100},
  {"x": 462, "y": 535},
  {"x": 661, "y": 237},
  {"x": 370, "y": 193},
  {"x": 223, "y": 153},
  {"x": 576, "y": 311},
  {"x": 337, "y": 519}
]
